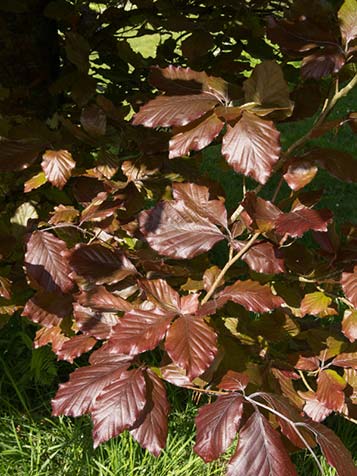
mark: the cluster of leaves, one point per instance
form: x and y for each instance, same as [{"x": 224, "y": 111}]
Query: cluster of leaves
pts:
[{"x": 120, "y": 229}]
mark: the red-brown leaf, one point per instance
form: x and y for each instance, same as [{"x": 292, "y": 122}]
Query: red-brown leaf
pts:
[
  {"x": 349, "y": 286},
  {"x": 195, "y": 136},
  {"x": 94, "y": 323},
  {"x": 161, "y": 294},
  {"x": 150, "y": 431},
  {"x": 335, "y": 452},
  {"x": 166, "y": 111},
  {"x": 118, "y": 406},
  {"x": 139, "y": 330},
  {"x": 175, "y": 229},
  {"x": 330, "y": 387},
  {"x": 216, "y": 426},
  {"x": 297, "y": 222},
  {"x": 77, "y": 396},
  {"x": 262, "y": 213},
  {"x": 252, "y": 147},
  {"x": 234, "y": 381},
  {"x": 349, "y": 324},
  {"x": 74, "y": 347},
  {"x": 251, "y": 295},
  {"x": 48, "y": 309},
  {"x": 57, "y": 166},
  {"x": 191, "y": 344},
  {"x": 260, "y": 451},
  {"x": 45, "y": 265},
  {"x": 262, "y": 257},
  {"x": 348, "y": 359},
  {"x": 102, "y": 300}
]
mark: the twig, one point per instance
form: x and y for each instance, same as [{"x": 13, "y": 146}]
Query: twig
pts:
[{"x": 228, "y": 265}]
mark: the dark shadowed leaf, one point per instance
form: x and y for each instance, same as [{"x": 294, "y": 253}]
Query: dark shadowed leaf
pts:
[
  {"x": 297, "y": 222},
  {"x": 267, "y": 87},
  {"x": 150, "y": 431},
  {"x": 94, "y": 323},
  {"x": 166, "y": 111},
  {"x": 103, "y": 300},
  {"x": 175, "y": 229},
  {"x": 57, "y": 166},
  {"x": 195, "y": 136},
  {"x": 349, "y": 286},
  {"x": 99, "y": 264},
  {"x": 74, "y": 347},
  {"x": 260, "y": 451},
  {"x": 18, "y": 154},
  {"x": 46, "y": 267},
  {"x": 322, "y": 63},
  {"x": 335, "y": 452},
  {"x": 262, "y": 213},
  {"x": 216, "y": 426},
  {"x": 349, "y": 324},
  {"x": 140, "y": 330},
  {"x": 347, "y": 15},
  {"x": 252, "y": 147},
  {"x": 262, "y": 257},
  {"x": 48, "y": 309},
  {"x": 338, "y": 163},
  {"x": 251, "y": 295},
  {"x": 77, "y": 396},
  {"x": 5, "y": 288},
  {"x": 118, "y": 406},
  {"x": 94, "y": 120},
  {"x": 234, "y": 381},
  {"x": 191, "y": 344}
]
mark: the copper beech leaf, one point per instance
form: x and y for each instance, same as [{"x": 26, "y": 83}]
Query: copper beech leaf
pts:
[
  {"x": 252, "y": 295},
  {"x": 262, "y": 257},
  {"x": 46, "y": 267},
  {"x": 50, "y": 335},
  {"x": 99, "y": 264},
  {"x": 94, "y": 323},
  {"x": 260, "y": 451},
  {"x": 57, "y": 166},
  {"x": 167, "y": 111},
  {"x": 330, "y": 386},
  {"x": 299, "y": 174},
  {"x": 18, "y": 154},
  {"x": 297, "y": 222},
  {"x": 75, "y": 347},
  {"x": 100, "y": 299},
  {"x": 349, "y": 285},
  {"x": 267, "y": 87},
  {"x": 216, "y": 426},
  {"x": 252, "y": 147},
  {"x": 335, "y": 452},
  {"x": 349, "y": 324},
  {"x": 347, "y": 15},
  {"x": 195, "y": 136},
  {"x": 151, "y": 429},
  {"x": 118, "y": 406},
  {"x": 262, "y": 214},
  {"x": 315, "y": 303},
  {"x": 179, "y": 229},
  {"x": 346, "y": 359},
  {"x": 93, "y": 120},
  {"x": 160, "y": 293},
  {"x": 234, "y": 381},
  {"x": 177, "y": 80},
  {"x": 77, "y": 396},
  {"x": 140, "y": 330},
  {"x": 191, "y": 344},
  {"x": 48, "y": 309}
]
